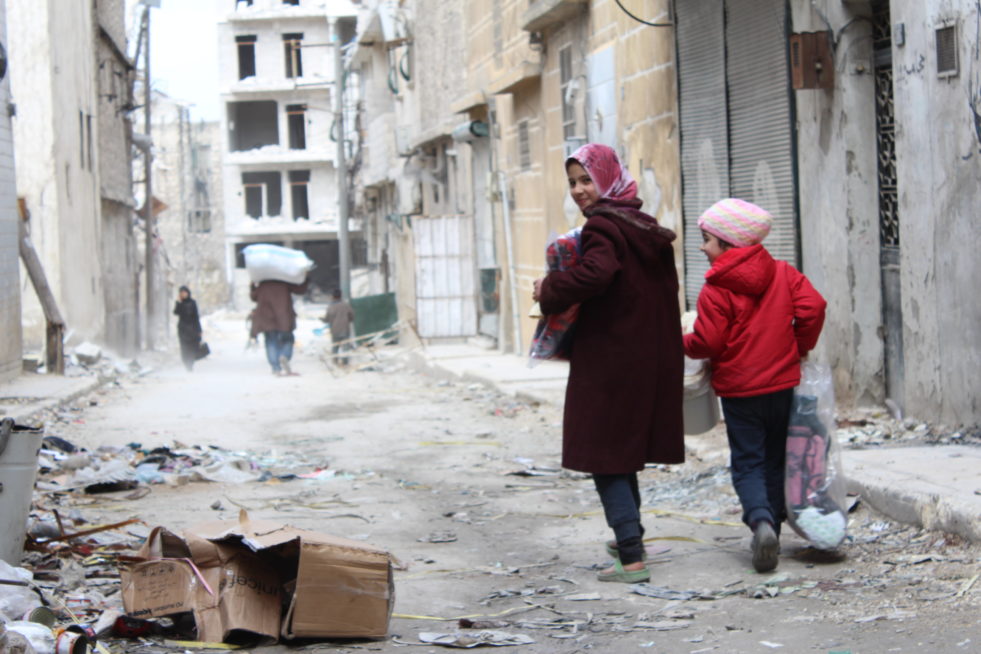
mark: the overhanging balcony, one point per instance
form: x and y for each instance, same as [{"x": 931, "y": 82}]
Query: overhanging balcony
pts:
[{"x": 545, "y": 13}]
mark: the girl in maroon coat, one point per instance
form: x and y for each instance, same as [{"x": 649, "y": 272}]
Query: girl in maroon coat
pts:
[
  {"x": 757, "y": 317},
  {"x": 623, "y": 400}
]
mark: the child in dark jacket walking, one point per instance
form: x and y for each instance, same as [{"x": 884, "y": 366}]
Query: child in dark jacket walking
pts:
[{"x": 757, "y": 318}]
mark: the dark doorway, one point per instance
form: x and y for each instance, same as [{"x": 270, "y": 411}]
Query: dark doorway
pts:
[{"x": 326, "y": 275}]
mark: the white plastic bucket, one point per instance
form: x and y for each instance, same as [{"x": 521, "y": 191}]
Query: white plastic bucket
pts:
[
  {"x": 19, "y": 448},
  {"x": 700, "y": 409}
]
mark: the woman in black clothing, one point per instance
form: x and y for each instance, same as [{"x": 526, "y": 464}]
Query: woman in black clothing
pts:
[{"x": 188, "y": 326}]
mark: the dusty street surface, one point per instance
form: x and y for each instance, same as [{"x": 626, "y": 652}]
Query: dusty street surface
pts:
[{"x": 424, "y": 467}]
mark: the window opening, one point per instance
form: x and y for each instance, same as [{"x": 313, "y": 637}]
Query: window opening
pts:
[
  {"x": 81, "y": 139},
  {"x": 262, "y": 191},
  {"x": 252, "y": 124},
  {"x": 524, "y": 146},
  {"x": 291, "y": 48},
  {"x": 296, "y": 115},
  {"x": 199, "y": 220},
  {"x": 947, "y": 51},
  {"x": 299, "y": 180},
  {"x": 565, "y": 87},
  {"x": 246, "y": 55},
  {"x": 295, "y": 3}
]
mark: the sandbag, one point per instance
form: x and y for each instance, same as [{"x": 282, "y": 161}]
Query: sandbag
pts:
[{"x": 274, "y": 262}]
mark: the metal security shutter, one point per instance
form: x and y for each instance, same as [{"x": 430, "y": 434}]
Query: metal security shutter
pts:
[
  {"x": 760, "y": 114},
  {"x": 704, "y": 133},
  {"x": 446, "y": 302}
]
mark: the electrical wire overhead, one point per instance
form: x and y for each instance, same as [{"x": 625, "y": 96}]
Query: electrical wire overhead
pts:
[{"x": 639, "y": 19}]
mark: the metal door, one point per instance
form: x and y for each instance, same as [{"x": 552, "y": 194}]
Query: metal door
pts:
[
  {"x": 761, "y": 130},
  {"x": 737, "y": 132},
  {"x": 892, "y": 311},
  {"x": 445, "y": 286},
  {"x": 704, "y": 125}
]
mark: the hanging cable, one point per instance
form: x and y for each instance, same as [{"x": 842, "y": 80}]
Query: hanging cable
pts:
[{"x": 641, "y": 20}]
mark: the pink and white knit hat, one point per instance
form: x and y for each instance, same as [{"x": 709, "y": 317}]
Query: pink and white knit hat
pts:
[{"x": 737, "y": 222}]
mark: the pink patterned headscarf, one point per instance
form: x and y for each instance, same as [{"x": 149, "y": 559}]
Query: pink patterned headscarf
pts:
[{"x": 610, "y": 177}]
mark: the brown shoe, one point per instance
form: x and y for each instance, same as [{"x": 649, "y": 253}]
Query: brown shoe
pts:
[{"x": 766, "y": 547}]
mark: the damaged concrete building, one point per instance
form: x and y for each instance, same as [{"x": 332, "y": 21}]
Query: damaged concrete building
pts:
[
  {"x": 10, "y": 344},
  {"x": 855, "y": 122},
  {"x": 187, "y": 180},
  {"x": 279, "y": 157}
]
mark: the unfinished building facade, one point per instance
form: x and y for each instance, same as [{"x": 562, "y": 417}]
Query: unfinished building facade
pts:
[{"x": 279, "y": 164}]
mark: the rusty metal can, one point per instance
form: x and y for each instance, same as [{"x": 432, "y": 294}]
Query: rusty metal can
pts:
[{"x": 42, "y": 615}]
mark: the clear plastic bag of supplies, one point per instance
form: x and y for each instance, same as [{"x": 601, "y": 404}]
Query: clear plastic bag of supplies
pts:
[
  {"x": 814, "y": 482},
  {"x": 554, "y": 333}
]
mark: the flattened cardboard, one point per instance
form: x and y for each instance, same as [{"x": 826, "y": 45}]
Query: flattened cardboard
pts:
[{"x": 343, "y": 589}]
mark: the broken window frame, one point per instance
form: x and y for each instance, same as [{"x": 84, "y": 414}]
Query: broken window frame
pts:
[
  {"x": 292, "y": 44},
  {"x": 246, "y": 43},
  {"x": 299, "y": 182},
  {"x": 296, "y": 126}
]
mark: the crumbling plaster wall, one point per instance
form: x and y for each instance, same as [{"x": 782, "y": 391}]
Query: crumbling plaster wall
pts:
[
  {"x": 938, "y": 144},
  {"x": 10, "y": 344},
  {"x": 838, "y": 187},
  {"x": 53, "y": 77},
  {"x": 118, "y": 239}
]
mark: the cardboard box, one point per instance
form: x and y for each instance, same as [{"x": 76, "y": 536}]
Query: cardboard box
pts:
[
  {"x": 246, "y": 578},
  {"x": 232, "y": 593},
  {"x": 340, "y": 588}
]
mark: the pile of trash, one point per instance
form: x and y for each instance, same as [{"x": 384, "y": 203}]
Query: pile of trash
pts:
[
  {"x": 876, "y": 427},
  {"x": 66, "y": 467}
]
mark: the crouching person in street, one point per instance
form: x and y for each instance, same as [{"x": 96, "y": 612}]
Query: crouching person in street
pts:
[
  {"x": 275, "y": 318},
  {"x": 340, "y": 317},
  {"x": 623, "y": 406},
  {"x": 757, "y": 318}
]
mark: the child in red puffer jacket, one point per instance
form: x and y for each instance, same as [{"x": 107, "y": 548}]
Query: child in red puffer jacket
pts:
[{"x": 757, "y": 318}]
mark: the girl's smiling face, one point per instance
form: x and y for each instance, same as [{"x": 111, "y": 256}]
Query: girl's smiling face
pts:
[
  {"x": 712, "y": 246},
  {"x": 581, "y": 187}
]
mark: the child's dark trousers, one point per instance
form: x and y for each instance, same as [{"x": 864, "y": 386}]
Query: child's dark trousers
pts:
[{"x": 757, "y": 430}]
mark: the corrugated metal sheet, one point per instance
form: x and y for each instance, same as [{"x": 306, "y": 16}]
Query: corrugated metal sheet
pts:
[
  {"x": 704, "y": 132},
  {"x": 760, "y": 112},
  {"x": 446, "y": 299}
]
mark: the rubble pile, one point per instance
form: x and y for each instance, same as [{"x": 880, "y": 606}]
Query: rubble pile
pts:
[{"x": 876, "y": 427}]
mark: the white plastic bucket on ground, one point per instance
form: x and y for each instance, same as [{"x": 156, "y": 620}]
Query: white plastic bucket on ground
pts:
[{"x": 19, "y": 448}]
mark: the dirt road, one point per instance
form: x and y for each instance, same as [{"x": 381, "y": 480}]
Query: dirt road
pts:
[{"x": 423, "y": 467}]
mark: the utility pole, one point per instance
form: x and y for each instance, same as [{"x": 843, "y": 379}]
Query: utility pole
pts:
[
  {"x": 149, "y": 267},
  {"x": 344, "y": 242}
]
